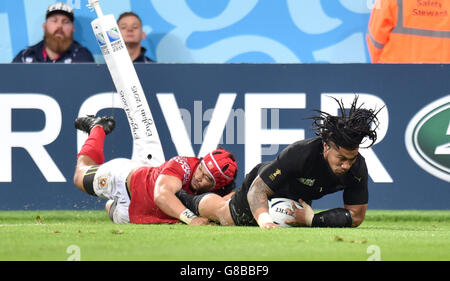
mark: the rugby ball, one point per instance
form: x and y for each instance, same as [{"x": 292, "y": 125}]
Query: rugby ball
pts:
[{"x": 278, "y": 210}]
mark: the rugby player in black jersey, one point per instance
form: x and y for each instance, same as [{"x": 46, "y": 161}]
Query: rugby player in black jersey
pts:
[{"x": 305, "y": 171}]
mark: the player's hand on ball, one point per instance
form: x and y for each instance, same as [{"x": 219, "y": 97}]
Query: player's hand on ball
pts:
[
  {"x": 302, "y": 217},
  {"x": 199, "y": 221}
]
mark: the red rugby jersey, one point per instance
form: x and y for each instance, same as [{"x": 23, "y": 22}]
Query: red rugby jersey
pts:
[{"x": 143, "y": 209}]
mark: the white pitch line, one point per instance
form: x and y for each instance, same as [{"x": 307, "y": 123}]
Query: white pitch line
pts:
[{"x": 29, "y": 224}]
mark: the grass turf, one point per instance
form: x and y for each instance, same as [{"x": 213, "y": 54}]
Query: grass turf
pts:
[{"x": 90, "y": 235}]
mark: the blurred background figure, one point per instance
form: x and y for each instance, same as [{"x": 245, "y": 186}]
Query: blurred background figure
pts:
[
  {"x": 407, "y": 31},
  {"x": 58, "y": 44},
  {"x": 130, "y": 26}
]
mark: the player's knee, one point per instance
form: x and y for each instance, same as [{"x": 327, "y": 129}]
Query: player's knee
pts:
[
  {"x": 117, "y": 213},
  {"x": 209, "y": 205},
  {"x": 215, "y": 207},
  {"x": 78, "y": 179},
  {"x": 210, "y": 201},
  {"x": 80, "y": 169},
  {"x": 225, "y": 218},
  {"x": 108, "y": 205}
]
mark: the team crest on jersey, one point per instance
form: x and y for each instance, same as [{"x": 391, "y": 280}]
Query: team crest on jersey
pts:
[
  {"x": 305, "y": 181},
  {"x": 102, "y": 182},
  {"x": 275, "y": 174}
]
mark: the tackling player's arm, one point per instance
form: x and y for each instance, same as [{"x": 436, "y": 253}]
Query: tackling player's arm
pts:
[
  {"x": 164, "y": 195},
  {"x": 258, "y": 202}
]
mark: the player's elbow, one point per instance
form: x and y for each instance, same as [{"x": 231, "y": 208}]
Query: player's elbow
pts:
[
  {"x": 78, "y": 179},
  {"x": 358, "y": 213},
  {"x": 357, "y": 221}
]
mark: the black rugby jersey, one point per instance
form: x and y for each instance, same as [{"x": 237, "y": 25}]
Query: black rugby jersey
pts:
[{"x": 300, "y": 171}]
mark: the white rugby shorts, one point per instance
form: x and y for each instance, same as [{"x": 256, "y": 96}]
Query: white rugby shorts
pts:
[{"x": 110, "y": 183}]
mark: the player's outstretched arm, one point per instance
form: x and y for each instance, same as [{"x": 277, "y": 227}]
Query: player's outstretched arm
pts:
[
  {"x": 164, "y": 195},
  {"x": 350, "y": 216},
  {"x": 258, "y": 202}
]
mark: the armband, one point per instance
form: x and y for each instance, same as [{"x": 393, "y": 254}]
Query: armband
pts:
[
  {"x": 88, "y": 180},
  {"x": 187, "y": 216},
  {"x": 338, "y": 217}
]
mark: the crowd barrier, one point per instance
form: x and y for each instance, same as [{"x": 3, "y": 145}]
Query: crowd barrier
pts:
[{"x": 266, "y": 107}]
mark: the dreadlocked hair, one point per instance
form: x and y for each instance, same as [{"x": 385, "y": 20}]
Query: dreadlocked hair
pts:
[{"x": 349, "y": 129}]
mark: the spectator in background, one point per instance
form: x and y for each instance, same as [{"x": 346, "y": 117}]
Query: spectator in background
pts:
[
  {"x": 130, "y": 26},
  {"x": 58, "y": 45},
  {"x": 403, "y": 31}
]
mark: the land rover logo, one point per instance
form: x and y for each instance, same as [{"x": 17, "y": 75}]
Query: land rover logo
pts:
[{"x": 427, "y": 138}]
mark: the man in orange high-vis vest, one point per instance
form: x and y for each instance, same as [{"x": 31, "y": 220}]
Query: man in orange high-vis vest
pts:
[{"x": 409, "y": 31}]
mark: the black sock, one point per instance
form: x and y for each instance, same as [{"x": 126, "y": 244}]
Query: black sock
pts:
[
  {"x": 88, "y": 180},
  {"x": 190, "y": 201}
]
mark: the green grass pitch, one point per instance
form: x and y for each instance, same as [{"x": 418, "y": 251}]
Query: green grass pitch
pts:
[{"x": 91, "y": 236}]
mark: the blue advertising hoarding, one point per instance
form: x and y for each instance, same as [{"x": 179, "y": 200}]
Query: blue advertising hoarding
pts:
[
  {"x": 267, "y": 107},
  {"x": 234, "y": 31}
]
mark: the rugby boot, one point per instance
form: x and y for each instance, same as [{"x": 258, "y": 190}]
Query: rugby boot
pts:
[{"x": 86, "y": 124}]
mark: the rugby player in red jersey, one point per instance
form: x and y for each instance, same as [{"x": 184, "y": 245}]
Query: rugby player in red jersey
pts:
[{"x": 144, "y": 194}]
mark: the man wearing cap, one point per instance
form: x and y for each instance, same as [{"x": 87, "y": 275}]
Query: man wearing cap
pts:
[
  {"x": 144, "y": 194},
  {"x": 58, "y": 45}
]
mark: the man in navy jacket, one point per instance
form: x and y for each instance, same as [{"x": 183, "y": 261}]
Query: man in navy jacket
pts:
[{"x": 58, "y": 44}]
